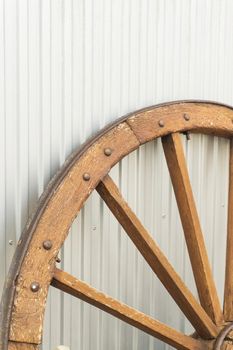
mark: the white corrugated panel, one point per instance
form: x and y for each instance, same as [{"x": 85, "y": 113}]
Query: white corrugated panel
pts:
[{"x": 67, "y": 68}]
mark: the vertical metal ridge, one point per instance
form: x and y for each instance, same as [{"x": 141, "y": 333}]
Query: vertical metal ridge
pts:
[{"x": 2, "y": 147}]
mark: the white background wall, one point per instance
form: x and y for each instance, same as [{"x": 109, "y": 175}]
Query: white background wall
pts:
[{"x": 69, "y": 67}]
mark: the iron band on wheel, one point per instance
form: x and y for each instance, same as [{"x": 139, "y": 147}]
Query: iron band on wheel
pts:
[{"x": 222, "y": 336}]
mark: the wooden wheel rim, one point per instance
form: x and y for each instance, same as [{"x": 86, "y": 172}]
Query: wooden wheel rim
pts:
[{"x": 33, "y": 265}]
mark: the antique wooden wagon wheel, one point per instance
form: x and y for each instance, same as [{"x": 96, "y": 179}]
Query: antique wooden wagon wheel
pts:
[{"x": 34, "y": 269}]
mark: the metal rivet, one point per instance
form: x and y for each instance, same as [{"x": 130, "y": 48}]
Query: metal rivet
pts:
[
  {"x": 86, "y": 177},
  {"x": 161, "y": 123},
  {"x": 107, "y": 152},
  {"x": 58, "y": 260},
  {"x": 186, "y": 117},
  {"x": 47, "y": 244},
  {"x": 35, "y": 286}
]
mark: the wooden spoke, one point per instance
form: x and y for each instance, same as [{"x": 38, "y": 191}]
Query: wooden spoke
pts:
[
  {"x": 22, "y": 346},
  {"x": 26, "y": 289},
  {"x": 156, "y": 259},
  {"x": 228, "y": 293},
  {"x": 83, "y": 291},
  {"x": 194, "y": 238}
]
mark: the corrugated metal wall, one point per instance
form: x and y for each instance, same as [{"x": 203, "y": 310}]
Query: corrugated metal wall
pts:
[{"x": 69, "y": 67}]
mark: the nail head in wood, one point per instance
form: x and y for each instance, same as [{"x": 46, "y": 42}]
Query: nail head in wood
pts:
[
  {"x": 35, "y": 286},
  {"x": 58, "y": 260},
  {"x": 107, "y": 152},
  {"x": 161, "y": 123},
  {"x": 47, "y": 244},
  {"x": 186, "y": 117},
  {"x": 86, "y": 177}
]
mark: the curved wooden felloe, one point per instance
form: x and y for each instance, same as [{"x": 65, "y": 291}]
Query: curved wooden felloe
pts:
[{"x": 33, "y": 268}]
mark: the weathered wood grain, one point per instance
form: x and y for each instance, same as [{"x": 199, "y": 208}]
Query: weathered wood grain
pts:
[
  {"x": 83, "y": 291},
  {"x": 65, "y": 203},
  {"x": 192, "y": 229},
  {"x": 22, "y": 346},
  {"x": 156, "y": 259},
  {"x": 64, "y": 198},
  {"x": 200, "y": 117}
]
